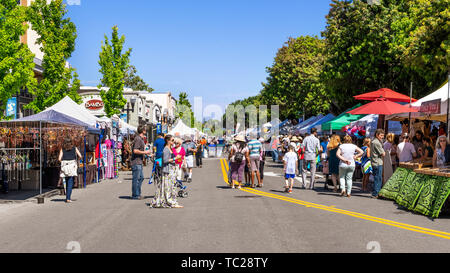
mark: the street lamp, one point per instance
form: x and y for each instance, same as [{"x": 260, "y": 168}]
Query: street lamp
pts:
[{"x": 128, "y": 109}]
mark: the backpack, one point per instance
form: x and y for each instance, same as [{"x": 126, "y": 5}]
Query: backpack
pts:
[{"x": 239, "y": 156}]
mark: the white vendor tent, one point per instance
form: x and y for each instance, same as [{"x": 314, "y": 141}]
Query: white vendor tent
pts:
[
  {"x": 182, "y": 129},
  {"x": 68, "y": 107},
  {"x": 126, "y": 128},
  {"x": 441, "y": 93}
]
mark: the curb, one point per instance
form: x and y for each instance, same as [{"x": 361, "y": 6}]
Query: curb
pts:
[{"x": 32, "y": 199}]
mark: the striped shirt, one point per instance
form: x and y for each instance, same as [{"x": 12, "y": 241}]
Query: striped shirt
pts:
[{"x": 255, "y": 148}]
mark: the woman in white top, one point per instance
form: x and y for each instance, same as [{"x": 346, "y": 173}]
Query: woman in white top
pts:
[{"x": 347, "y": 154}]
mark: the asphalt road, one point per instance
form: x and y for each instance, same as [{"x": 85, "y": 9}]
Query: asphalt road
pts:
[{"x": 218, "y": 219}]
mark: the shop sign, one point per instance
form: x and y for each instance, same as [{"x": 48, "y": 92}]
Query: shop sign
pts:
[
  {"x": 165, "y": 129},
  {"x": 94, "y": 105},
  {"x": 431, "y": 107}
]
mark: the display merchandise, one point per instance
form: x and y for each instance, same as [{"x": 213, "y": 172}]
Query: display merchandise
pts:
[
  {"x": 418, "y": 189},
  {"x": 22, "y": 143}
]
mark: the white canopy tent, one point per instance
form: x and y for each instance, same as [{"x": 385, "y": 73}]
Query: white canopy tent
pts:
[
  {"x": 126, "y": 128},
  {"x": 182, "y": 129},
  {"x": 68, "y": 107},
  {"x": 441, "y": 93}
]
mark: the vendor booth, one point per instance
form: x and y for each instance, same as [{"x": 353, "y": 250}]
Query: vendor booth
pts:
[
  {"x": 369, "y": 125},
  {"x": 340, "y": 121},
  {"x": 30, "y": 147},
  {"x": 182, "y": 129},
  {"x": 322, "y": 120},
  {"x": 419, "y": 188},
  {"x": 432, "y": 107}
]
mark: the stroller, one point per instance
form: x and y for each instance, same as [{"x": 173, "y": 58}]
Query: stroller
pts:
[{"x": 157, "y": 176}]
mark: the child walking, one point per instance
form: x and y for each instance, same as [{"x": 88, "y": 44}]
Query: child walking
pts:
[{"x": 290, "y": 166}]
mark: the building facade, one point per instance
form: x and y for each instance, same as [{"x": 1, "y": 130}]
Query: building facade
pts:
[{"x": 142, "y": 108}]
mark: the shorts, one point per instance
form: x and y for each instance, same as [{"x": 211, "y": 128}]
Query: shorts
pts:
[
  {"x": 290, "y": 176},
  {"x": 254, "y": 163},
  {"x": 190, "y": 161}
]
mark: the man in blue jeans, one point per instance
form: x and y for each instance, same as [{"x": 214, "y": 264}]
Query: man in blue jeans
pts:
[
  {"x": 377, "y": 154},
  {"x": 137, "y": 157}
]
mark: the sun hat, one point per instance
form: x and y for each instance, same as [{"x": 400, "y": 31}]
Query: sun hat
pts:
[
  {"x": 240, "y": 138},
  {"x": 295, "y": 139}
]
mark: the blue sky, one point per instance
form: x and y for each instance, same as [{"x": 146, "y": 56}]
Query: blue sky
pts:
[{"x": 218, "y": 50}]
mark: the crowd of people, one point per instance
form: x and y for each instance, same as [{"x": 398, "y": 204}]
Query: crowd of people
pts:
[
  {"x": 173, "y": 157},
  {"x": 338, "y": 157}
]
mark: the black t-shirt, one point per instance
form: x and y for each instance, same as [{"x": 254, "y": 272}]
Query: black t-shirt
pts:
[
  {"x": 138, "y": 144},
  {"x": 69, "y": 155}
]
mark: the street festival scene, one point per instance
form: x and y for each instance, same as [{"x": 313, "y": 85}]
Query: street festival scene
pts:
[{"x": 322, "y": 131}]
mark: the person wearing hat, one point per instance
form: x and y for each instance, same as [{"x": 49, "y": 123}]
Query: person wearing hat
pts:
[
  {"x": 238, "y": 158},
  {"x": 300, "y": 150}
]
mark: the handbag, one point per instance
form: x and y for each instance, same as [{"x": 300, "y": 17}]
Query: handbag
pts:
[{"x": 367, "y": 167}]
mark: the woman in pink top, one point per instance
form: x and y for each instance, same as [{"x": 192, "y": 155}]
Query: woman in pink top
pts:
[{"x": 178, "y": 150}]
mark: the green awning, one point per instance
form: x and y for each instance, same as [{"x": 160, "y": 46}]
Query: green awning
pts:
[{"x": 342, "y": 120}]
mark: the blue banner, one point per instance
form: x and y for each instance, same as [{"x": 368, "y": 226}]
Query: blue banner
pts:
[
  {"x": 158, "y": 128},
  {"x": 11, "y": 108}
]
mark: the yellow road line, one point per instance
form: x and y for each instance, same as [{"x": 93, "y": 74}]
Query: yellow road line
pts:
[{"x": 436, "y": 233}]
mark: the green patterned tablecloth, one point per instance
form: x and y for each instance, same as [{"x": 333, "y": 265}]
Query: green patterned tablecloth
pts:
[{"x": 420, "y": 193}]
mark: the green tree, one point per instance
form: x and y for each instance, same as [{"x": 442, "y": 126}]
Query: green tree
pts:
[
  {"x": 113, "y": 66},
  {"x": 294, "y": 79},
  {"x": 133, "y": 81},
  {"x": 16, "y": 60},
  {"x": 184, "y": 110},
  {"x": 370, "y": 46},
  {"x": 423, "y": 33},
  {"x": 57, "y": 36}
]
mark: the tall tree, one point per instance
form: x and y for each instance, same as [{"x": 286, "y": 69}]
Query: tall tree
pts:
[
  {"x": 57, "y": 36},
  {"x": 365, "y": 46},
  {"x": 294, "y": 79},
  {"x": 16, "y": 60},
  {"x": 423, "y": 33},
  {"x": 113, "y": 66},
  {"x": 184, "y": 110},
  {"x": 133, "y": 81}
]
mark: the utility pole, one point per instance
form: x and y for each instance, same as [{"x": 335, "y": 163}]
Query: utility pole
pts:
[{"x": 410, "y": 102}]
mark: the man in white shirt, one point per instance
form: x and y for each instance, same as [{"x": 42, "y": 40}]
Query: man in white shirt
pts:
[{"x": 405, "y": 150}]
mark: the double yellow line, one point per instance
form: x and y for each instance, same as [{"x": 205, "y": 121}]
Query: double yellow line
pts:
[{"x": 436, "y": 233}]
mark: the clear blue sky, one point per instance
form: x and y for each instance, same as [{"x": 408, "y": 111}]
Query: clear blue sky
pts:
[{"x": 215, "y": 49}]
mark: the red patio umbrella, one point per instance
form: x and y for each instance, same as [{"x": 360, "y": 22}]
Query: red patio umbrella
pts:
[
  {"x": 382, "y": 107},
  {"x": 385, "y": 93}
]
